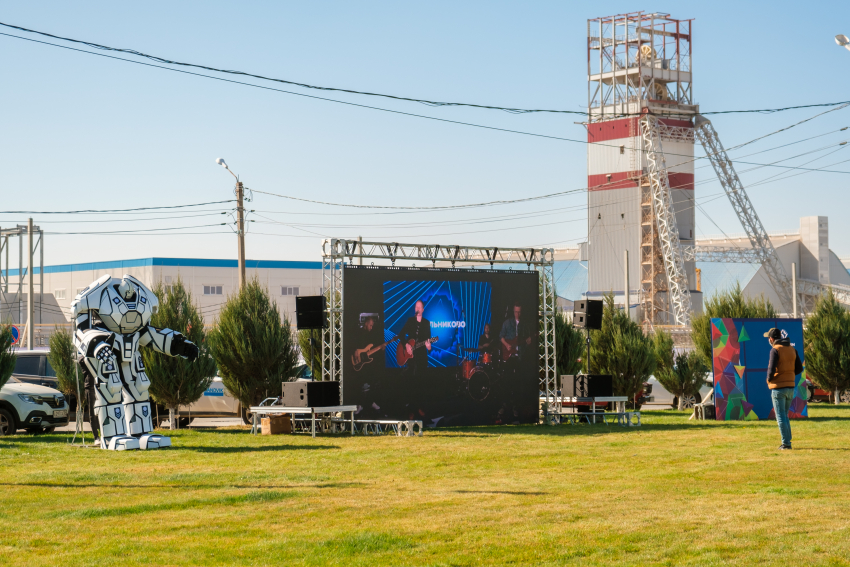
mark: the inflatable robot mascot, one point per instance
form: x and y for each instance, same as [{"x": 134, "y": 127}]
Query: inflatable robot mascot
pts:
[{"x": 111, "y": 319}]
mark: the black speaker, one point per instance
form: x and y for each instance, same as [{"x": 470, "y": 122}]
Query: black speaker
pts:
[
  {"x": 310, "y": 394},
  {"x": 593, "y": 317},
  {"x": 593, "y": 386},
  {"x": 310, "y": 312},
  {"x": 587, "y": 314}
]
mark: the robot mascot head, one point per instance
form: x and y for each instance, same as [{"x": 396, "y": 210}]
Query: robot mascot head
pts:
[{"x": 126, "y": 305}]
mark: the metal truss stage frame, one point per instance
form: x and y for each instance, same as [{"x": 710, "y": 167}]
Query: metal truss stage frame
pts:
[{"x": 336, "y": 251}]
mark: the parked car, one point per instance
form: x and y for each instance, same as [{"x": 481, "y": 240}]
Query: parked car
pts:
[
  {"x": 32, "y": 407},
  {"x": 216, "y": 401},
  {"x": 32, "y": 367},
  {"x": 659, "y": 396},
  {"x": 818, "y": 395}
]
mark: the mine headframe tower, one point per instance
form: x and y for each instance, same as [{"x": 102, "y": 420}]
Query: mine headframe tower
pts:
[{"x": 640, "y": 159}]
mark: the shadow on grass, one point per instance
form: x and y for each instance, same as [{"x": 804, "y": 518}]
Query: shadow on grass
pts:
[
  {"x": 184, "y": 486},
  {"x": 257, "y": 497},
  {"x": 42, "y": 438},
  {"x": 511, "y": 492},
  {"x": 258, "y": 448},
  {"x": 565, "y": 430}
]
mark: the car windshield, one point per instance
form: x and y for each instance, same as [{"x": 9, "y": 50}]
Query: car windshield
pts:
[
  {"x": 48, "y": 370},
  {"x": 27, "y": 365}
]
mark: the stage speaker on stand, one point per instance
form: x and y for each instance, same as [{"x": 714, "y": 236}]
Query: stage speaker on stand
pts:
[
  {"x": 587, "y": 314},
  {"x": 310, "y": 314}
]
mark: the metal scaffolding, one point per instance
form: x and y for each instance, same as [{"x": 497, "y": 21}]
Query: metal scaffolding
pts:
[
  {"x": 665, "y": 223},
  {"x": 336, "y": 251},
  {"x": 7, "y": 301},
  {"x": 637, "y": 57},
  {"x": 759, "y": 240}
]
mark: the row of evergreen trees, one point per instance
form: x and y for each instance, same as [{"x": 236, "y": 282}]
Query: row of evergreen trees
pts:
[
  {"x": 622, "y": 350},
  {"x": 254, "y": 351}
]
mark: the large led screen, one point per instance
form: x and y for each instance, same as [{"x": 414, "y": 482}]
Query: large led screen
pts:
[{"x": 443, "y": 346}]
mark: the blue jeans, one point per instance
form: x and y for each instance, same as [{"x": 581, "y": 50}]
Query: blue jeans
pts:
[{"x": 782, "y": 398}]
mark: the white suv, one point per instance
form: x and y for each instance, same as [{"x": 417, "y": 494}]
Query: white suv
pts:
[{"x": 32, "y": 407}]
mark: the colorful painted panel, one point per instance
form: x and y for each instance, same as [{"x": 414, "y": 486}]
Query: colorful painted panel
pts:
[{"x": 740, "y": 355}]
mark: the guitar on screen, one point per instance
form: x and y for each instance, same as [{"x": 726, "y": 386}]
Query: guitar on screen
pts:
[
  {"x": 363, "y": 356},
  {"x": 401, "y": 353},
  {"x": 515, "y": 343}
]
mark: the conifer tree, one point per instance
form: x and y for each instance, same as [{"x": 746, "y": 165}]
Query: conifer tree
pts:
[
  {"x": 732, "y": 304},
  {"x": 622, "y": 350},
  {"x": 176, "y": 381},
  {"x": 61, "y": 358},
  {"x": 685, "y": 377},
  {"x": 827, "y": 345},
  {"x": 304, "y": 346},
  {"x": 570, "y": 345},
  {"x": 254, "y": 350},
  {"x": 662, "y": 346},
  {"x": 7, "y": 354}
]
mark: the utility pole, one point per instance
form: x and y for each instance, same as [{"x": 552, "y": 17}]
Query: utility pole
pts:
[
  {"x": 240, "y": 227},
  {"x": 240, "y": 221},
  {"x": 626, "y": 289},
  {"x": 30, "y": 290},
  {"x": 794, "y": 289}
]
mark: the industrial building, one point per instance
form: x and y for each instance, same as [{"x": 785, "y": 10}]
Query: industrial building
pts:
[
  {"x": 643, "y": 123},
  {"x": 639, "y": 66},
  {"x": 805, "y": 250},
  {"x": 210, "y": 281}
]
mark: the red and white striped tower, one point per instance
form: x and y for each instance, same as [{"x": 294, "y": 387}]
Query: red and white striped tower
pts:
[{"x": 638, "y": 64}]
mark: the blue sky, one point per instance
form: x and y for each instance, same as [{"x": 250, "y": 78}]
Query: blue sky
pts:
[{"x": 81, "y": 131}]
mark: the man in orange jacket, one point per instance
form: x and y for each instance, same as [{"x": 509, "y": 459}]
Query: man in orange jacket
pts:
[{"x": 782, "y": 371}]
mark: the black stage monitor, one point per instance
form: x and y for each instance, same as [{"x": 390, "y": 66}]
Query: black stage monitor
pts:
[
  {"x": 310, "y": 312},
  {"x": 593, "y": 385}
]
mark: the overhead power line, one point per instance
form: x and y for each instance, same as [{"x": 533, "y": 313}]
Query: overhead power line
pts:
[
  {"x": 113, "y": 210},
  {"x": 837, "y": 106},
  {"x": 356, "y": 92}
]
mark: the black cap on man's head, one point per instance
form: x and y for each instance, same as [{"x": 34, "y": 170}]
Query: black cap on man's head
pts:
[{"x": 774, "y": 334}]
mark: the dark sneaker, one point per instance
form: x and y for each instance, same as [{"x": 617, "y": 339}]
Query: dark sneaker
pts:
[{"x": 784, "y": 447}]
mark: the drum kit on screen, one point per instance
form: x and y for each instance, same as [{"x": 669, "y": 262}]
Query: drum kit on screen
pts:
[{"x": 478, "y": 378}]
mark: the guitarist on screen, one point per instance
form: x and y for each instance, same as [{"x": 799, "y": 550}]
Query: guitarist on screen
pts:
[
  {"x": 515, "y": 335},
  {"x": 418, "y": 329},
  {"x": 372, "y": 343}
]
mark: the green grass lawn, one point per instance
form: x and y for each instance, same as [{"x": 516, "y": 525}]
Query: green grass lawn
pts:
[{"x": 673, "y": 492}]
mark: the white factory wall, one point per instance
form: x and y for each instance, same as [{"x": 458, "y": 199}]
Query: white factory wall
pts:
[
  {"x": 60, "y": 287},
  {"x": 613, "y": 226},
  {"x": 605, "y": 157}
]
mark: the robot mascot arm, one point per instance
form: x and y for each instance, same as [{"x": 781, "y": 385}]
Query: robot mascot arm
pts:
[
  {"x": 168, "y": 342},
  {"x": 111, "y": 320}
]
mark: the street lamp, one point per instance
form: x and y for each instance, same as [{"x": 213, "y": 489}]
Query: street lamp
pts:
[
  {"x": 843, "y": 41},
  {"x": 222, "y": 163},
  {"x": 240, "y": 222}
]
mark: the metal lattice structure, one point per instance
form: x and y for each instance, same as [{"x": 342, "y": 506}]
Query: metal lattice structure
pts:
[
  {"x": 335, "y": 253},
  {"x": 720, "y": 254},
  {"x": 636, "y": 57},
  {"x": 665, "y": 222},
  {"x": 808, "y": 292},
  {"x": 6, "y": 301},
  {"x": 759, "y": 240}
]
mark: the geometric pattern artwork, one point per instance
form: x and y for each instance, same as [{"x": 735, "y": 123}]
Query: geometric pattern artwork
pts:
[{"x": 740, "y": 355}]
